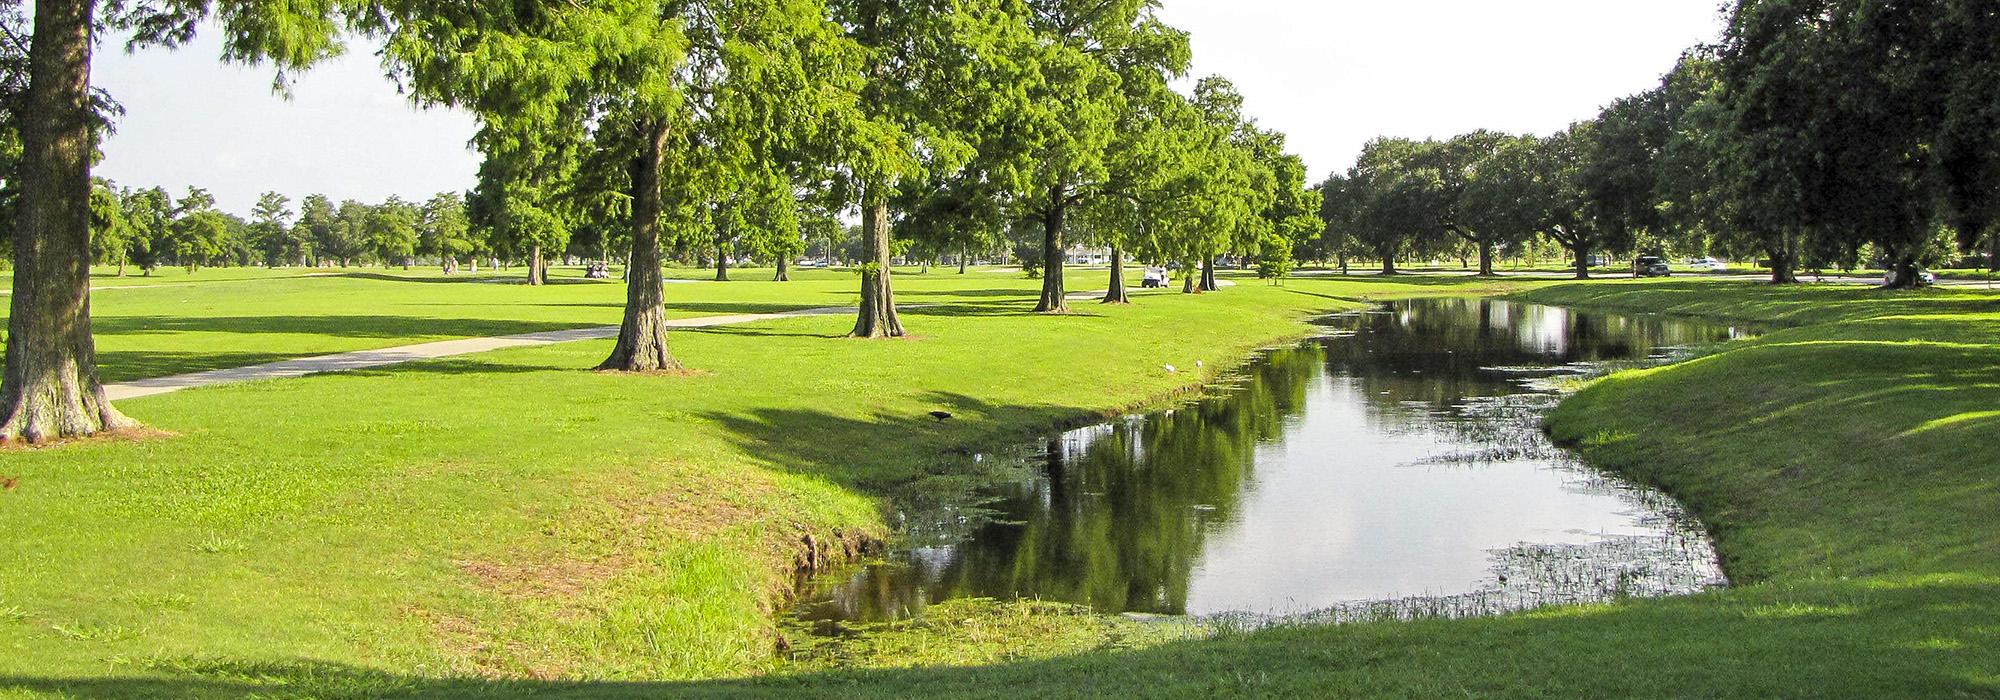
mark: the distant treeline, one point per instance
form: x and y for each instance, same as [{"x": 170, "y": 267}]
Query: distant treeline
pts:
[{"x": 1818, "y": 133}]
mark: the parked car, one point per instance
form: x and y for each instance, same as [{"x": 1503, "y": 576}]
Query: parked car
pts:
[
  {"x": 1651, "y": 266},
  {"x": 1154, "y": 278},
  {"x": 1708, "y": 265}
]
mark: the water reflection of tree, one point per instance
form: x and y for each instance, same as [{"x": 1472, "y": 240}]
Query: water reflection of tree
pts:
[
  {"x": 1119, "y": 521},
  {"x": 1120, "y": 516},
  {"x": 1439, "y": 352}
]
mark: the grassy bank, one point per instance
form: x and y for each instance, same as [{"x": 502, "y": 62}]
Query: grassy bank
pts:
[
  {"x": 423, "y": 541},
  {"x": 510, "y": 515},
  {"x": 1844, "y": 462}
]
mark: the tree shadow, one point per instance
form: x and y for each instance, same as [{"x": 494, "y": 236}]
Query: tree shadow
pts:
[
  {"x": 1875, "y": 638},
  {"x": 127, "y": 365},
  {"x": 336, "y": 325},
  {"x": 521, "y": 280}
]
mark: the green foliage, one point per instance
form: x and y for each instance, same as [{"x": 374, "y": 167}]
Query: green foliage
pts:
[
  {"x": 444, "y": 230},
  {"x": 392, "y": 231},
  {"x": 272, "y": 233}
]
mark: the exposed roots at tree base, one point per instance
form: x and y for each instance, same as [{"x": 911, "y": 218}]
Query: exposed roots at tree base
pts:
[
  {"x": 676, "y": 371},
  {"x": 131, "y": 433}
]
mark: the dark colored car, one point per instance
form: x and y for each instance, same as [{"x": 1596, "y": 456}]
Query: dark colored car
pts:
[{"x": 1651, "y": 266}]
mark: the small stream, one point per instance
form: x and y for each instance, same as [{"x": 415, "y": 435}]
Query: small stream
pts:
[{"x": 1393, "y": 467}]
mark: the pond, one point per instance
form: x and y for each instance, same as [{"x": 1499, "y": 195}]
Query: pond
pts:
[{"x": 1394, "y": 466}]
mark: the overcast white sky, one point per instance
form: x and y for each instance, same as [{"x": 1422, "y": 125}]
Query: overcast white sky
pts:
[{"x": 1330, "y": 73}]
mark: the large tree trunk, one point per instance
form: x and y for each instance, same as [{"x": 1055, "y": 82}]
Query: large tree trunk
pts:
[
  {"x": 1784, "y": 264},
  {"x": 1903, "y": 273},
  {"x": 877, "y": 318},
  {"x": 784, "y": 270},
  {"x": 1388, "y": 262},
  {"x": 50, "y": 388},
  {"x": 1582, "y": 262},
  {"x": 538, "y": 269},
  {"x": 1485, "y": 259},
  {"x": 721, "y": 261},
  {"x": 963, "y": 256},
  {"x": 1993, "y": 252},
  {"x": 1208, "y": 283},
  {"x": 642, "y": 338},
  {"x": 1116, "y": 294},
  {"x": 1053, "y": 294}
]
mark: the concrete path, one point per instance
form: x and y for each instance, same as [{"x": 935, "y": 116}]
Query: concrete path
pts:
[
  {"x": 369, "y": 359},
  {"x": 384, "y": 357}
]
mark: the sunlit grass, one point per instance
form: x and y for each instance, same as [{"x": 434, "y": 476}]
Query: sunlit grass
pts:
[{"x": 514, "y": 515}]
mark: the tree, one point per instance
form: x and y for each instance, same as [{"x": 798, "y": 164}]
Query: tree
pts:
[
  {"x": 110, "y": 233},
  {"x": 149, "y": 215},
  {"x": 271, "y": 230},
  {"x": 50, "y": 389},
  {"x": 1566, "y": 199},
  {"x": 314, "y": 230},
  {"x": 198, "y": 231},
  {"x": 347, "y": 233},
  {"x": 1492, "y": 203},
  {"x": 1094, "y": 57},
  {"x": 690, "y": 98},
  {"x": 1388, "y": 211},
  {"x": 1336, "y": 213},
  {"x": 444, "y": 230},
  {"x": 1620, "y": 177},
  {"x": 1967, "y": 128},
  {"x": 392, "y": 232},
  {"x": 935, "y": 76}
]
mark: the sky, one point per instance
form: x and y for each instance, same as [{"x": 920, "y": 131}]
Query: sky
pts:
[{"x": 1331, "y": 74}]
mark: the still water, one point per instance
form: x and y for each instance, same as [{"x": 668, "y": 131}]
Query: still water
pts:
[{"x": 1395, "y": 464}]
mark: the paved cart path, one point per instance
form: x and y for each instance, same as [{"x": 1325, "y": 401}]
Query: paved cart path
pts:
[{"x": 383, "y": 357}]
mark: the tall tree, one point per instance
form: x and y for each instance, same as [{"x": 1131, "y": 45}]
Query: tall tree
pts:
[
  {"x": 1093, "y": 56},
  {"x": 271, "y": 230},
  {"x": 50, "y": 387},
  {"x": 314, "y": 228},
  {"x": 198, "y": 232},
  {"x": 1566, "y": 202},
  {"x": 444, "y": 230},
  {"x": 691, "y": 97},
  {"x": 392, "y": 232},
  {"x": 111, "y": 233}
]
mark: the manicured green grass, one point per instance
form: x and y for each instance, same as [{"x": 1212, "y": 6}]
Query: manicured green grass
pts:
[
  {"x": 291, "y": 543},
  {"x": 510, "y": 514},
  {"x": 234, "y": 317}
]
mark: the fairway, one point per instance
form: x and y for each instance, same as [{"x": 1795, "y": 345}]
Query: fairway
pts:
[
  {"x": 394, "y": 519},
  {"x": 389, "y": 532}
]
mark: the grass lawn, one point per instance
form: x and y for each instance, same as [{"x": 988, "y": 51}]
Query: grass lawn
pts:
[
  {"x": 179, "y": 322},
  {"x": 624, "y": 535},
  {"x": 509, "y": 514}
]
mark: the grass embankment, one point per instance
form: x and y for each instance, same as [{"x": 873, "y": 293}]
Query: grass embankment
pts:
[
  {"x": 510, "y": 514},
  {"x": 1845, "y": 462}
]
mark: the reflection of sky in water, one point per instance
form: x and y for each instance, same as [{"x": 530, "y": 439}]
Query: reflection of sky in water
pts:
[
  {"x": 1337, "y": 514},
  {"x": 1399, "y": 456}
]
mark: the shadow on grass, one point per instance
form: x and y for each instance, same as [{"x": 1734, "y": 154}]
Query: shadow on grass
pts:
[
  {"x": 335, "y": 325},
  {"x": 1761, "y": 301},
  {"x": 520, "y": 278},
  {"x": 121, "y": 366},
  {"x": 1915, "y": 638}
]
